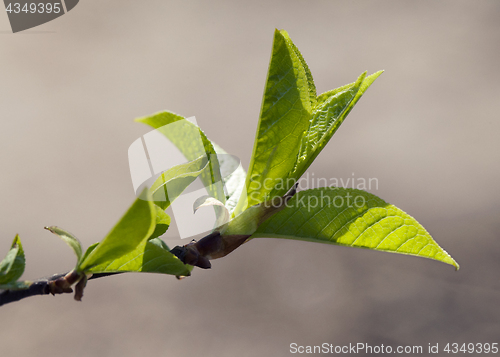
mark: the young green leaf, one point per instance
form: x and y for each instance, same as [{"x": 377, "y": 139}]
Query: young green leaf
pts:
[
  {"x": 70, "y": 240},
  {"x": 12, "y": 266},
  {"x": 186, "y": 137},
  {"x": 295, "y": 124},
  {"x": 135, "y": 227},
  {"x": 89, "y": 250},
  {"x": 151, "y": 256},
  {"x": 162, "y": 223},
  {"x": 310, "y": 80},
  {"x": 327, "y": 117},
  {"x": 352, "y": 218},
  {"x": 285, "y": 114},
  {"x": 171, "y": 183}
]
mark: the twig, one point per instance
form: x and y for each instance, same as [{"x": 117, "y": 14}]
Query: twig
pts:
[
  {"x": 212, "y": 246},
  {"x": 43, "y": 286}
]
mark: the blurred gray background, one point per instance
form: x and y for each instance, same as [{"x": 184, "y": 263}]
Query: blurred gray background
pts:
[{"x": 427, "y": 129}]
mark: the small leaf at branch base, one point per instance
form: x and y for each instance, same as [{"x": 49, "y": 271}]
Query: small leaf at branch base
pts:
[
  {"x": 70, "y": 240},
  {"x": 12, "y": 266},
  {"x": 352, "y": 218}
]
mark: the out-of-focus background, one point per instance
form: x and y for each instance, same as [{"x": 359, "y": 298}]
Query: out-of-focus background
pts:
[{"x": 427, "y": 130}]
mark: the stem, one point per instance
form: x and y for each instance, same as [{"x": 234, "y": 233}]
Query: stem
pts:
[
  {"x": 42, "y": 286},
  {"x": 212, "y": 246},
  {"x": 61, "y": 283},
  {"x": 218, "y": 244}
]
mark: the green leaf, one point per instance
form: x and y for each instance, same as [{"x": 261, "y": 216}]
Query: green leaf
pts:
[
  {"x": 352, "y": 218},
  {"x": 367, "y": 82},
  {"x": 134, "y": 228},
  {"x": 295, "y": 124},
  {"x": 310, "y": 81},
  {"x": 327, "y": 117},
  {"x": 171, "y": 183},
  {"x": 162, "y": 223},
  {"x": 186, "y": 137},
  {"x": 285, "y": 114},
  {"x": 70, "y": 240},
  {"x": 89, "y": 250},
  {"x": 151, "y": 256},
  {"x": 12, "y": 266},
  {"x": 160, "y": 243}
]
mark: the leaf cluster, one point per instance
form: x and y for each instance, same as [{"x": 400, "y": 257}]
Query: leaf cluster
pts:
[{"x": 295, "y": 125}]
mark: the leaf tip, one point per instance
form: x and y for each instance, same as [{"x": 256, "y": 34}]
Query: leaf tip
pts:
[
  {"x": 377, "y": 74},
  {"x": 16, "y": 243},
  {"x": 17, "y": 240},
  {"x": 281, "y": 33},
  {"x": 449, "y": 260}
]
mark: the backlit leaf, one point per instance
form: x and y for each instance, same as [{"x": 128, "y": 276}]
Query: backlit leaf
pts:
[
  {"x": 134, "y": 228},
  {"x": 150, "y": 256},
  {"x": 186, "y": 137},
  {"x": 12, "y": 266},
  {"x": 70, "y": 240},
  {"x": 352, "y": 218}
]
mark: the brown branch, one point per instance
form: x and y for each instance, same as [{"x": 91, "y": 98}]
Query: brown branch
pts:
[
  {"x": 43, "y": 286},
  {"x": 217, "y": 245},
  {"x": 199, "y": 254}
]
